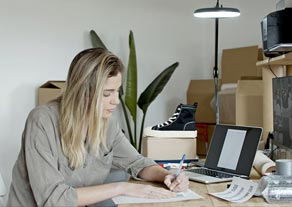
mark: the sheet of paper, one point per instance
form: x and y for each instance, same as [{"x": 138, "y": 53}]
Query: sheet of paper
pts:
[
  {"x": 240, "y": 190},
  {"x": 182, "y": 196}
]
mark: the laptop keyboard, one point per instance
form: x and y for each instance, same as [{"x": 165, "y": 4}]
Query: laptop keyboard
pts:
[{"x": 212, "y": 173}]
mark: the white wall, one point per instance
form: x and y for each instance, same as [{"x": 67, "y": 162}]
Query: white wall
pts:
[{"x": 38, "y": 40}]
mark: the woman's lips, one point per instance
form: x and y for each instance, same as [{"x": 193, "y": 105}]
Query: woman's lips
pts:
[{"x": 110, "y": 110}]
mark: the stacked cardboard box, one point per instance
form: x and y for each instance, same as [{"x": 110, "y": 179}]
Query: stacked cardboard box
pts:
[
  {"x": 169, "y": 148},
  {"x": 236, "y": 64},
  {"x": 249, "y": 101}
]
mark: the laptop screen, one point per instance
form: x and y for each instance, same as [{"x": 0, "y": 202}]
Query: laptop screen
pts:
[{"x": 233, "y": 148}]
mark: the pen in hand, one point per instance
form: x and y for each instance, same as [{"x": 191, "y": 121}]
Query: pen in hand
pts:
[
  {"x": 178, "y": 170},
  {"x": 180, "y": 165}
]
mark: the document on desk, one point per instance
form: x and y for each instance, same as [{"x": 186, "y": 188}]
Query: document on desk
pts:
[
  {"x": 181, "y": 196},
  {"x": 240, "y": 190}
]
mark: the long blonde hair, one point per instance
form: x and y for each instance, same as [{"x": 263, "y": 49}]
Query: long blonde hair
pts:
[{"x": 82, "y": 126}]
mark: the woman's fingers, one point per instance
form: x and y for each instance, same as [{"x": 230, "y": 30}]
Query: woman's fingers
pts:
[
  {"x": 147, "y": 191},
  {"x": 168, "y": 180},
  {"x": 159, "y": 193},
  {"x": 177, "y": 184}
]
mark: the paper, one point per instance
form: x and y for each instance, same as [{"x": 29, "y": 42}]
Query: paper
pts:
[
  {"x": 181, "y": 196},
  {"x": 240, "y": 190},
  {"x": 263, "y": 164}
]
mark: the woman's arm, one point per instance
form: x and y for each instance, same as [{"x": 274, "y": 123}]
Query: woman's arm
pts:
[
  {"x": 159, "y": 174},
  {"x": 154, "y": 173},
  {"x": 95, "y": 194}
]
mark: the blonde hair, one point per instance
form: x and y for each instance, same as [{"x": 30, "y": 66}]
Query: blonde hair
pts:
[{"x": 82, "y": 126}]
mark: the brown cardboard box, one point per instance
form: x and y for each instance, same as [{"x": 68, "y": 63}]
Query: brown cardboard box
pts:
[
  {"x": 50, "y": 90},
  {"x": 205, "y": 133},
  {"x": 169, "y": 148},
  {"x": 202, "y": 91},
  {"x": 238, "y": 62},
  {"x": 249, "y": 103}
]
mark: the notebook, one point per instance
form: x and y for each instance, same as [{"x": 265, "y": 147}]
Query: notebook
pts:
[{"x": 231, "y": 153}]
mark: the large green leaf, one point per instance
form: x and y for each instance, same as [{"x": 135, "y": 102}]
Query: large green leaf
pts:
[
  {"x": 155, "y": 87},
  {"x": 95, "y": 40},
  {"x": 131, "y": 84}
]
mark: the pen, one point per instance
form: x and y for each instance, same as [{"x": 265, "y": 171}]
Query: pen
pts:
[{"x": 180, "y": 165}]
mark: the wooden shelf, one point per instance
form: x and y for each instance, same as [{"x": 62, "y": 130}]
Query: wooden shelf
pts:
[{"x": 285, "y": 59}]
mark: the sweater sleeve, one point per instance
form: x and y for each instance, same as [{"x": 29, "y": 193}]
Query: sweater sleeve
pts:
[
  {"x": 47, "y": 183},
  {"x": 125, "y": 156}
]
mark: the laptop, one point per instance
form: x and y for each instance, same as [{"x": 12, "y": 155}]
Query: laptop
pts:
[{"x": 231, "y": 153}]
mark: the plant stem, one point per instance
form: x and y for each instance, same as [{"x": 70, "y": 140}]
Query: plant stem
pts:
[
  {"x": 132, "y": 140},
  {"x": 135, "y": 133},
  {"x": 141, "y": 132}
]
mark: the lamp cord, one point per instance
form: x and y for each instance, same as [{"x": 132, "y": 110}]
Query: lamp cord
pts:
[{"x": 269, "y": 64}]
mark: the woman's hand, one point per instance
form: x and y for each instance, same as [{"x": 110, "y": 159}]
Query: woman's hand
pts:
[
  {"x": 177, "y": 184},
  {"x": 146, "y": 191}
]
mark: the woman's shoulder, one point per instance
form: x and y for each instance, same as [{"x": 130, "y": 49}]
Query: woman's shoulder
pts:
[
  {"x": 41, "y": 128},
  {"x": 41, "y": 112}
]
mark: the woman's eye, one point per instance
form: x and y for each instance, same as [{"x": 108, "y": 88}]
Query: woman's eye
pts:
[{"x": 106, "y": 94}]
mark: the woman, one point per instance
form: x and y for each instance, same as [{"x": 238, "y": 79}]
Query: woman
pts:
[{"x": 70, "y": 144}]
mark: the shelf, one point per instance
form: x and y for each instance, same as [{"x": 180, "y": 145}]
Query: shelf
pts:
[{"x": 285, "y": 59}]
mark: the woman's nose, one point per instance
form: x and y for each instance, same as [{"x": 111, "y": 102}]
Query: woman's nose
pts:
[{"x": 115, "y": 99}]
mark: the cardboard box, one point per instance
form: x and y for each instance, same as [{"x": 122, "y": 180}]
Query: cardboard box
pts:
[
  {"x": 205, "y": 133},
  {"x": 49, "y": 91},
  {"x": 202, "y": 91},
  {"x": 249, "y": 103},
  {"x": 169, "y": 148},
  {"x": 238, "y": 62}
]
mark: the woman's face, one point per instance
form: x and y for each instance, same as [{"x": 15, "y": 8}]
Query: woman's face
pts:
[{"x": 110, "y": 98}]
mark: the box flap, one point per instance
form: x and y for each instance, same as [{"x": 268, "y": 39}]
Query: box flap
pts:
[
  {"x": 49, "y": 91},
  {"x": 53, "y": 84},
  {"x": 239, "y": 62},
  {"x": 202, "y": 86},
  {"x": 250, "y": 87}
]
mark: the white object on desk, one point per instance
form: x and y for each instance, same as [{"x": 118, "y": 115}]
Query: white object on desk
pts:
[
  {"x": 263, "y": 164},
  {"x": 240, "y": 191},
  {"x": 182, "y": 196}
]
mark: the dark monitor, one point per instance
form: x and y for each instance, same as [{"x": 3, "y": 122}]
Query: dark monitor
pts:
[{"x": 282, "y": 112}]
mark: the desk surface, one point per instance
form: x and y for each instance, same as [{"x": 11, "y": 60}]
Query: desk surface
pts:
[{"x": 209, "y": 201}]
